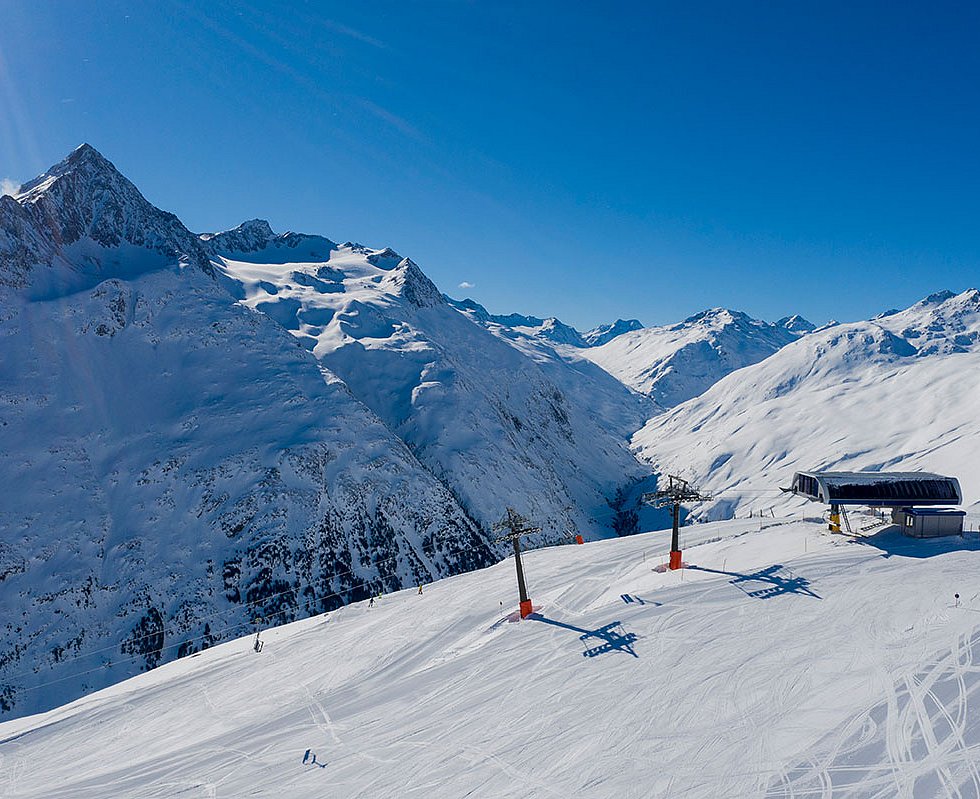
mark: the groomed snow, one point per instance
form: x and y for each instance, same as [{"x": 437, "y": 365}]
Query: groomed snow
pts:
[{"x": 784, "y": 662}]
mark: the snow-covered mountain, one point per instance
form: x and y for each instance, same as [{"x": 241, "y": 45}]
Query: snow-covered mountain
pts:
[
  {"x": 202, "y": 434},
  {"x": 515, "y": 325},
  {"x": 673, "y": 363},
  {"x": 501, "y": 421},
  {"x": 897, "y": 392},
  {"x": 175, "y": 468},
  {"x": 797, "y": 324}
]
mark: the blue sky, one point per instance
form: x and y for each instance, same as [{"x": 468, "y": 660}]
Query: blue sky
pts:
[{"x": 584, "y": 160}]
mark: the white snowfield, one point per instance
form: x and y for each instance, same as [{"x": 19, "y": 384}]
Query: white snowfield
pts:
[
  {"x": 784, "y": 662},
  {"x": 896, "y": 393}
]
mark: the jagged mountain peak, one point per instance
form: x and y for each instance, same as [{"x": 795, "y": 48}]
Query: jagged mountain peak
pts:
[
  {"x": 72, "y": 223},
  {"x": 257, "y": 228},
  {"x": 254, "y": 240},
  {"x": 936, "y": 298},
  {"x": 409, "y": 281},
  {"x": 720, "y": 317},
  {"x": 249, "y": 236},
  {"x": 796, "y": 324},
  {"x": 85, "y": 162},
  {"x": 384, "y": 259},
  {"x": 515, "y": 325},
  {"x": 605, "y": 333}
]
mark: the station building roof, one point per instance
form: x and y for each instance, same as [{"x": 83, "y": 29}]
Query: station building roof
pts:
[{"x": 878, "y": 489}]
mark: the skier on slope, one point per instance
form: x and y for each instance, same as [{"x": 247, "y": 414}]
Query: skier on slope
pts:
[
  {"x": 257, "y": 646},
  {"x": 420, "y": 589}
]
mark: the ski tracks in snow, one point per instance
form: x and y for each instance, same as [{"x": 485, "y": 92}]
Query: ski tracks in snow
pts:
[{"x": 920, "y": 740}]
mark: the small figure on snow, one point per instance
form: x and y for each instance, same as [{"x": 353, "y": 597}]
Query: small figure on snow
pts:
[
  {"x": 957, "y": 598},
  {"x": 420, "y": 589},
  {"x": 371, "y": 602},
  {"x": 257, "y": 646}
]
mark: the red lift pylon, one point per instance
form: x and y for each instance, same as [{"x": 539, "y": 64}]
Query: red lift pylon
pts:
[
  {"x": 517, "y": 526},
  {"x": 676, "y": 493}
]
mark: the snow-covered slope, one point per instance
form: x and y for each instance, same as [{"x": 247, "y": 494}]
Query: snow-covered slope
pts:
[
  {"x": 897, "y": 392},
  {"x": 174, "y": 466},
  {"x": 790, "y": 663},
  {"x": 501, "y": 422},
  {"x": 676, "y": 362}
]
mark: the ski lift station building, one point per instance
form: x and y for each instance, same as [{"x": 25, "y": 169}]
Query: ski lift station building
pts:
[{"x": 912, "y": 496}]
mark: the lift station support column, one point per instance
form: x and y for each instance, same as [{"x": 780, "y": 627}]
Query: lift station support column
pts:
[{"x": 834, "y": 526}]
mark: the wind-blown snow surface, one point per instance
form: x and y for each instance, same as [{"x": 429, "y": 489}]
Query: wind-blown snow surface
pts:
[
  {"x": 790, "y": 663},
  {"x": 501, "y": 422},
  {"x": 174, "y": 466},
  {"x": 676, "y": 362},
  {"x": 899, "y": 392}
]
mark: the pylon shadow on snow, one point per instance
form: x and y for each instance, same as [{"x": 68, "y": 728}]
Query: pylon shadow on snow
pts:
[
  {"x": 612, "y": 636},
  {"x": 773, "y": 581},
  {"x": 631, "y": 599}
]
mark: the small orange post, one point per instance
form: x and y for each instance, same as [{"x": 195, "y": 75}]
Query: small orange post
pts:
[
  {"x": 675, "y": 559},
  {"x": 579, "y": 539},
  {"x": 526, "y": 608}
]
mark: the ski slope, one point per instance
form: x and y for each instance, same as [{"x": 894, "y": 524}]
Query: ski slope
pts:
[{"x": 785, "y": 662}]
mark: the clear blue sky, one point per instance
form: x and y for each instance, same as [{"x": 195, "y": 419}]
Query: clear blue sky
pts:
[{"x": 581, "y": 160}]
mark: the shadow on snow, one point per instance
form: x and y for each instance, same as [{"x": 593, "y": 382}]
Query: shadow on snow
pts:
[
  {"x": 612, "y": 635},
  {"x": 773, "y": 581},
  {"x": 892, "y": 542}
]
